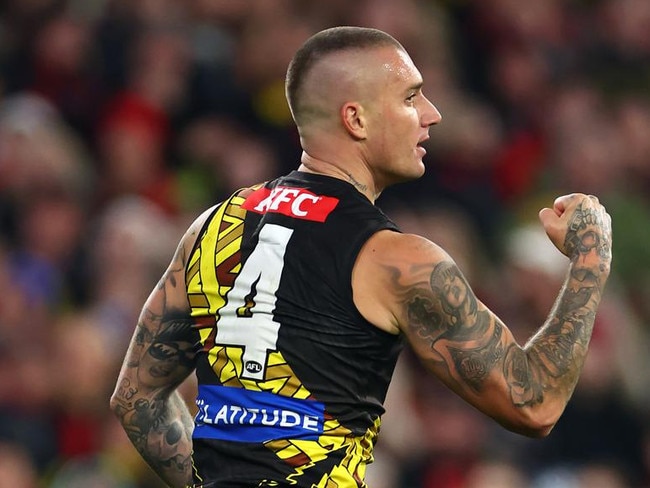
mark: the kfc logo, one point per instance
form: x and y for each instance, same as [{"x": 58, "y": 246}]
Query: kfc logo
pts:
[{"x": 292, "y": 202}]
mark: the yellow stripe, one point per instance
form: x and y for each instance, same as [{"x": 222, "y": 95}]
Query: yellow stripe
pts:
[{"x": 198, "y": 301}]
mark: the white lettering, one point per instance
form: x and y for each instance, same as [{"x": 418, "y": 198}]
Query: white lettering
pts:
[
  {"x": 310, "y": 422},
  {"x": 203, "y": 417},
  {"x": 286, "y": 195},
  {"x": 295, "y": 206},
  {"x": 278, "y": 196},
  {"x": 222, "y": 415},
  {"x": 263, "y": 206},
  {"x": 286, "y": 421},
  {"x": 238, "y": 415},
  {"x": 235, "y": 410},
  {"x": 243, "y": 415},
  {"x": 265, "y": 420},
  {"x": 253, "y": 411}
]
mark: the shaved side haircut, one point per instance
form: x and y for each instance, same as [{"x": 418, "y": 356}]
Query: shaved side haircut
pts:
[{"x": 328, "y": 41}]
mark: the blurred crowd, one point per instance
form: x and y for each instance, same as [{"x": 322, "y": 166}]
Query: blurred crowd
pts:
[{"x": 121, "y": 120}]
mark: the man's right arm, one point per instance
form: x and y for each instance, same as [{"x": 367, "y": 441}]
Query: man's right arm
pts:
[
  {"x": 419, "y": 290},
  {"x": 160, "y": 356}
]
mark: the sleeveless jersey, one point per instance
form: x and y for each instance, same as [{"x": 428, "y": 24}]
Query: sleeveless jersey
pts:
[{"x": 291, "y": 377}]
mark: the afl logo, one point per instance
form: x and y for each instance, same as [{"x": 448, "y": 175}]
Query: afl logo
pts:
[{"x": 253, "y": 367}]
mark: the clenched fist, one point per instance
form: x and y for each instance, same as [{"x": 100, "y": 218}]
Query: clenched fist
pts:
[{"x": 580, "y": 228}]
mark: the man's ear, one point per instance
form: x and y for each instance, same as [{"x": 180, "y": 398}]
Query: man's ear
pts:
[{"x": 354, "y": 120}]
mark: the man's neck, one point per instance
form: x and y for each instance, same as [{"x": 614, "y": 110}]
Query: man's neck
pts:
[{"x": 310, "y": 164}]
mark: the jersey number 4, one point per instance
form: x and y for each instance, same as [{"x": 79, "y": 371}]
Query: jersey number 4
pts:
[{"x": 246, "y": 320}]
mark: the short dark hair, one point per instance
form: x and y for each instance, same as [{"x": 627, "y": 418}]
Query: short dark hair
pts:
[{"x": 334, "y": 39}]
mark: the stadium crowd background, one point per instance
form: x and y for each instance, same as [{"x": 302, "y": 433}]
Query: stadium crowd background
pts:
[{"x": 121, "y": 120}]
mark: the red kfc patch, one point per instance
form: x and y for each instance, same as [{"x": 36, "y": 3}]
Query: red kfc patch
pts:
[{"x": 292, "y": 202}]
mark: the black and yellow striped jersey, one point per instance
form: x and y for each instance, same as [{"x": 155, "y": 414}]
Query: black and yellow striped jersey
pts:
[{"x": 291, "y": 377}]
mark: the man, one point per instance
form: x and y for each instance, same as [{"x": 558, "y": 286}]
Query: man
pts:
[{"x": 298, "y": 293}]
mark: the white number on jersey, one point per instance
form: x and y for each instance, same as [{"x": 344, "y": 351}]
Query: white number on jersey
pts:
[{"x": 247, "y": 319}]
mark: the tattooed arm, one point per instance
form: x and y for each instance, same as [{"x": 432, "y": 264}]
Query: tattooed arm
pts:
[
  {"x": 159, "y": 357},
  {"x": 416, "y": 288}
]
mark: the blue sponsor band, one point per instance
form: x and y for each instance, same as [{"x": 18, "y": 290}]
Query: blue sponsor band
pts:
[{"x": 237, "y": 414}]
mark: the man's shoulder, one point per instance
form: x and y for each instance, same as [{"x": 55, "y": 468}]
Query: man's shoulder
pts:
[{"x": 388, "y": 246}]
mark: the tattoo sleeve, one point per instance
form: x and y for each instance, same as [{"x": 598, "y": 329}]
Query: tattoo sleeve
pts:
[
  {"x": 460, "y": 335},
  {"x": 559, "y": 349},
  {"x": 473, "y": 351},
  {"x": 160, "y": 356}
]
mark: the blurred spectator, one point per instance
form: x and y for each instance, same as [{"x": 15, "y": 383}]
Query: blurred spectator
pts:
[
  {"x": 466, "y": 148},
  {"x": 593, "y": 475},
  {"x": 25, "y": 386},
  {"x": 80, "y": 346},
  {"x": 43, "y": 176},
  {"x": 220, "y": 156},
  {"x": 130, "y": 247},
  {"x": 134, "y": 131},
  {"x": 496, "y": 474},
  {"x": 16, "y": 467},
  {"x": 63, "y": 70}
]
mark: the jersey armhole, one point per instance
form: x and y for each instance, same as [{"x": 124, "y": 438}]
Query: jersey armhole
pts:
[
  {"x": 200, "y": 234},
  {"x": 355, "y": 255}
]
